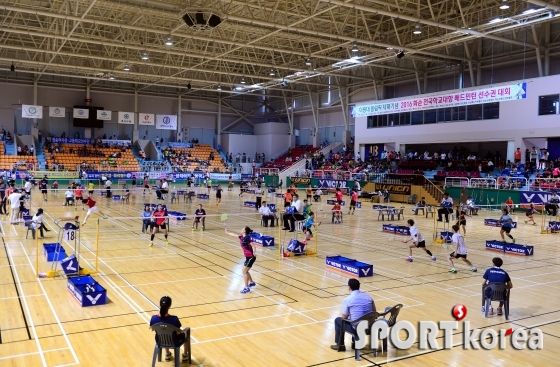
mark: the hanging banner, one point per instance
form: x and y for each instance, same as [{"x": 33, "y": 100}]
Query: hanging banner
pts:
[
  {"x": 442, "y": 100},
  {"x": 57, "y": 111},
  {"x": 166, "y": 122},
  {"x": 31, "y": 112},
  {"x": 104, "y": 115},
  {"x": 126, "y": 118},
  {"x": 146, "y": 119},
  {"x": 81, "y": 113}
]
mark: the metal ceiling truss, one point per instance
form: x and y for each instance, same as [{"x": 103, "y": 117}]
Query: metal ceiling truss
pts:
[{"x": 265, "y": 42}]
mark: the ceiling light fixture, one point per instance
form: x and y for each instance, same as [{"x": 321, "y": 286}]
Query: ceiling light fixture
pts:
[
  {"x": 355, "y": 47},
  {"x": 219, "y": 87},
  {"x": 308, "y": 61},
  {"x": 12, "y": 67},
  {"x": 111, "y": 76},
  {"x": 126, "y": 67},
  {"x": 400, "y": 54},
  {"x": 169, "y": 41},
  {"x": 145, "y": 56},
  {"x": 504, "y": 5},
  {"x": 272, "y": 73},
  {"x": 242, "y": 80},
  {"x": 189, "y": 86},
  {"x": 417, "y": 29}
]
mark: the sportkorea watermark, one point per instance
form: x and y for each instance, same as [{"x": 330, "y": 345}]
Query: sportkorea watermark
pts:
[{"x": 425, "y": 333}]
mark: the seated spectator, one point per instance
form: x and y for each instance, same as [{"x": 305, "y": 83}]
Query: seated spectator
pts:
[
  {"x": 470, "y": 205},
  {"x": 337, "y": 213},
  {"x": 199, "y": 215},
  {"x": 356, "y": 305},
  {"x": 267, "y": 215},
  {"x": 420, "y": 204},
  {"x": 317, "y": 194},
  {"x": 165, "y": 317}
]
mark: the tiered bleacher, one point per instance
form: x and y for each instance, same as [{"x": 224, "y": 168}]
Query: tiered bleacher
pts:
[
  {"x": 19, "y": 162},
  {"x": 200, "y": 158},
  {"x": 292, "y": 156},
  {"x": 99, "y": 157}
]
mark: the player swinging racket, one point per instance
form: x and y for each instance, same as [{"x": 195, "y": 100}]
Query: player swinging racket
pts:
[
  {"x": 530, "y": 214},
  {"x": 92, "y": 209},
  {"x": 417, "y": 241},
  {"x": 159, "y": 217},
  {"x": 250, "y": 258},
  {"x": 307, "y": 225},
  {"x": 353, "y": 200},
  {"x": 462, "y": 220},
  {"x": 507, "y": 225},
  {"x": 460, "y": 250}
]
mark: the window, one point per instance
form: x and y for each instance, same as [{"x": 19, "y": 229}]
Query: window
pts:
[
  {"x": 417, "y": 117},
  {"x": 393, "y": 120},
  {"x": 491, "y": 111},
  {"x": 371, "y": 123},
  {"x": 549, "y": 105},
  {"x": 474, "y": 112},
  {"x": 458, "y": 113},
  {"x": 444, "y": 115},
  {"x": 405, "y": 118},
  {"x": 430, "y": 116}
]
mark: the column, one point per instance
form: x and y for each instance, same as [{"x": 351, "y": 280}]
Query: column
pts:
[{"x": 135, "y": 133}]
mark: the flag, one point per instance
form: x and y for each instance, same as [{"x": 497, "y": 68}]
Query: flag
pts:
[
  {"x": 81, "y": 113},
  {"x": 31, "y": 112},
  {"x": 104, "y": 115},
  {"x": 146, "y": 119},
  {"x": 57, "y": 111},
  {"x": 126, "y": 118},
  {"x": 166, "y": 122}
]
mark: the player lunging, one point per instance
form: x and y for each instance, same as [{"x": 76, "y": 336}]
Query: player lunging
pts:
[
  {"x": 460, "y": 250},
  {"x": 417, "y": 241}
]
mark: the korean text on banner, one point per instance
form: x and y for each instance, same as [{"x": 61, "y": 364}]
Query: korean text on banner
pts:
[
  {"x": 166, "y": 122},
  {"x": 126, "y": 118},
  {"x": 31, "y": 112},
  {"x": 57, "y": 112},
  {"x": 81, "y": 113},
  {"x": 146, "y": 119}
]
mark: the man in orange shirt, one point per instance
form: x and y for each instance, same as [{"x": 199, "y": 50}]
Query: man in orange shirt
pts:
[
  {"x": 287, "y": 198},
  {"x": 509, "y": 204},
  {"x": 337, "y": 213},
  {"x": 517, "y": 156}
]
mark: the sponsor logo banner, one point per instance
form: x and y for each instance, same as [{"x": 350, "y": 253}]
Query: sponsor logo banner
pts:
[
  {"x": 441, "y": 100},
  {"x": 183, "y": 176},
  {"x": 31, "y": 111},
  {"x": 393, "y": 189},
  {"x": 53, "y": 175},
  {"x": 126, "y": 118},
  {"x": 535, "y": 197},
  {"x": 70, "y": 141},
  {"x": 81, "y": 113},
  {"x": 104, "y": 115},
  {"x": 332, "y": 184},
  {"x": 57, "y": 111},
  {"x": 300, "y": 180},
  {"x": 180, "y": 145},
  {"x": 166, "y": 122},
  {"x": 146, "y": 119},
  {"x": 510, "y": 248}
]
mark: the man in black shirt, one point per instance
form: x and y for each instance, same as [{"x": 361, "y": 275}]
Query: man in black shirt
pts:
[{"x": 199, "y": 215}]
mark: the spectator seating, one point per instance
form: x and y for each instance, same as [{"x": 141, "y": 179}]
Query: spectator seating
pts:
[
  {"x": 295, "y": 155},
  {"x": 71, "y": 161},
  {"x": 23, "y": 162},
  {"x": 198, "y": 160}
]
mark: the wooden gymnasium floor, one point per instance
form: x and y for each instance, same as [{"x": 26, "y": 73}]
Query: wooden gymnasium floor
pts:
[{"x": 286, "y": 321}]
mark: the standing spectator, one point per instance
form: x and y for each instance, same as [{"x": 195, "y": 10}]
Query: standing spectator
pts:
[{"x": 14, "y": 198}]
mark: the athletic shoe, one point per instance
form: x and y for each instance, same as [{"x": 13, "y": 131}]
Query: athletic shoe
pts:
[
  {"x": 201, "y": 229},
  {"x": 245, "y": 290},
  {"x": 526, "y": 221},
  {"x": 166, "y": 242},
  {"x": 83, "y": 224},
  {"x": 452, "y": 270},
  {"x": 185, "y": 358},
  {"x": 348, "y": 213},
  {"x": 168, "y": 357},
  {"x": 409, "y": 259},
  {"x": 500, "y": 311},
  {"x": 252, "y": 284},
  {"x": 151, "y": 244},
  {"x": 433, "y": 258},
  {"x": 474, "y": 270},
  {"x": 491, "y": 311},
  {"x": 513, "y": 240},
  {"x": 504, "y": 241},
  {"x": 192, "y": 228}
]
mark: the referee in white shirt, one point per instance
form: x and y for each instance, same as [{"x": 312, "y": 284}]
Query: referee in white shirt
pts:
[
  {"x": 267, "y": 215},
  {"x": 447, "y": 207},
  {"x": 296, "y": 215},
  {"x": 356, "y": 305}
]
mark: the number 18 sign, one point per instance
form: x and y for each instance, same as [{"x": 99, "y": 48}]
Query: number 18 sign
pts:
[{"x": 69, "y": 234}]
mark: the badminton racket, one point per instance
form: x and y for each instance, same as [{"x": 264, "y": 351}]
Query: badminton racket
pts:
[{"x": 223, "y": 218}]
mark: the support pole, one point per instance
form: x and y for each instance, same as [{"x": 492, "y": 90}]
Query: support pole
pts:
[
  {"x": 97, "y": 247},
  {"x": 37, "y": 253}
]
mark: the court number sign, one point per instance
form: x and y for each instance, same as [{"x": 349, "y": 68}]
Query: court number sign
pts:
[{"x": 69, "y": 234}]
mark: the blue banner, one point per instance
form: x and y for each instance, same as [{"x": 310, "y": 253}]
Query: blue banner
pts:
[
  {"x": 373, "y": 150},
  {"x": 179, "y": 176},
  {"x": 332, "y": 184},
  {"x": 510, "y": 248},
  {"x": 70, "y": 141},
  {"x": 535, "y": 197},
  {"x": 180, "y": 145}
]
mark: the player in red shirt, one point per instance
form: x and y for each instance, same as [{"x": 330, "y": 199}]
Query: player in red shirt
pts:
[
  {"x": 353, "y": 200},
  {"x": 338, "y": 195},
  {"x": 159, "y": 217},
  {"x": 92, "y": 209},
  {"x": 78, "y": 193},
  {"x": 337, "y": 213}
]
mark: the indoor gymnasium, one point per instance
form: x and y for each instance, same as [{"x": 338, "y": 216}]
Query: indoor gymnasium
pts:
[{"x": 279, "y": 183}]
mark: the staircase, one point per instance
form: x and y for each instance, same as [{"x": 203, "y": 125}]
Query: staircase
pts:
[
  {"x": 40, "y": 155},
  {"x": 10, "y": 149}
]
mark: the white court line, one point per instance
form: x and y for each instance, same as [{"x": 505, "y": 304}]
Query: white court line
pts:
[
  {"x": 27, "y": 296},
  {"x": 32, "y": 325},
  {"x": 31, "y": 354},
  {"x": 52, "y": 308}
]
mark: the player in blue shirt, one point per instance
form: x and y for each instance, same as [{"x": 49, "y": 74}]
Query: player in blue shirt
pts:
[
  {"x": 309, "y": 222},
  {"x": 507, "y": 225},
  {"x": 496, "y": 275},
  {"x": 164, "y": 316}
]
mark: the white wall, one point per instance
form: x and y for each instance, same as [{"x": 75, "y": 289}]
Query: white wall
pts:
[
  {"x": 518, "y": 120},
  {"x": 272, "y": 145}
]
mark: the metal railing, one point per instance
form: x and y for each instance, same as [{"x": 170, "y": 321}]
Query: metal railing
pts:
[{"x": 545, "y": 183}]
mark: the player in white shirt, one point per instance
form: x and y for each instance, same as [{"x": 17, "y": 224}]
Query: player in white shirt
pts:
[
  {"x": 27, "y": 187},
  {"x": 460, "y": 250},
  {"x": 417, "y": 241},
  {"x": 69, "y": 195}
]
